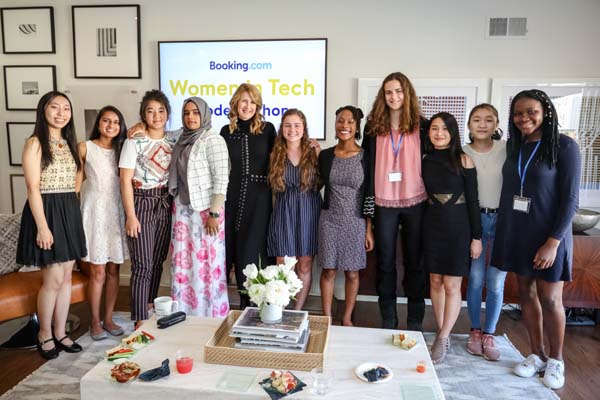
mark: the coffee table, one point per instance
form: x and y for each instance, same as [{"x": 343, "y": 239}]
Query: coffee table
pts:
[{"x": 348, "y": 348}]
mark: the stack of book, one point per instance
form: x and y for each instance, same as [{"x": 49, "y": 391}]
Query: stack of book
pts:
[{"x": 289, "y": 335}]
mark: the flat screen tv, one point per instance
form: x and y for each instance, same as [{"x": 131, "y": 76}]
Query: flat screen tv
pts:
[{"x": 290, "y": 73}]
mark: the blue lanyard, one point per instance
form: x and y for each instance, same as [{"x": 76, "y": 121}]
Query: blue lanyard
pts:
[
  {"x": 396, "y": 149},
  {"x": 524, "y": 172}
]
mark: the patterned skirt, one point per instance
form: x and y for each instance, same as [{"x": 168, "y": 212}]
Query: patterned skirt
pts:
[{"x": 198, "y": 278}]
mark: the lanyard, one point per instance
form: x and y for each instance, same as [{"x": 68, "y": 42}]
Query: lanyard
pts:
[
  {"x": 396, "y": 149},
  {"x": 524, "y": 172}
]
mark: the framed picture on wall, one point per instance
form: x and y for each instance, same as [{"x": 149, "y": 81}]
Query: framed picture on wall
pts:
[
  {"x": 25, "y": 84},
  {"x": 106, "y": 41},
  {"x": 18, "y": 192},
  {"x": 17, "y": 133},
  {"x": 27, "y": 30}
]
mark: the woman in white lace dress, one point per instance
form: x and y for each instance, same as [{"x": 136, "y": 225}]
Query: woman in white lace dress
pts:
[{"x": 103, "y": 217}]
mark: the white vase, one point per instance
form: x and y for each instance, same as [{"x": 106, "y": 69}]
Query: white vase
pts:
[{"x": 271, "y": 313}]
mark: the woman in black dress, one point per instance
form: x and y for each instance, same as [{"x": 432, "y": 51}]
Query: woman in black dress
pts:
[
  {"x": 249, "y": 141},
  {"x": 451, "y": 226},
  {"x": 540, "y": 193}
]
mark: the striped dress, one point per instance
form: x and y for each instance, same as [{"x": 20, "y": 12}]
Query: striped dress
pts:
[{"x": 293, "y": 229}]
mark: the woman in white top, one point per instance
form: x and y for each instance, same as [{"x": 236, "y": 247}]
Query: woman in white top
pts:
[
  {"x": 103, "y": 217},
  {"x": 488, "y": 153}
]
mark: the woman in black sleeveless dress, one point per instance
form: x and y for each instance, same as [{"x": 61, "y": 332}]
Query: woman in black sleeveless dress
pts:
[{"x": 451, "y": 226}]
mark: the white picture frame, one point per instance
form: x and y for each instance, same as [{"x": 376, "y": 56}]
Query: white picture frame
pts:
[
  {"x": 106, "y": 41},
  {"x": 568, "y": 95},
  {"x": 470, "y": 91},
  {"x": 26, "y": 84}
]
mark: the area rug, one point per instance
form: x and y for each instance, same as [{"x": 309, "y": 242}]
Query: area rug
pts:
[{"x": 462, "y": 376}]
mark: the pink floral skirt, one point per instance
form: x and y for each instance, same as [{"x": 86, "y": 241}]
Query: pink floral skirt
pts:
[{"x": 198, "y": 280}]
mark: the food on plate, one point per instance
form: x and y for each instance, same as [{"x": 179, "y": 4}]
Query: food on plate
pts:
[
  {"x": 283, "y": 382},
  {"x": 403, "y": 340},
  {"x": 125, "y": 372},
  {"x": 119, "y": 351},
  {"x": 376, "y": 374},
  {"x": 138, "y": 340}
]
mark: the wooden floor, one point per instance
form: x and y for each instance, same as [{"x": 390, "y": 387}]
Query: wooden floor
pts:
[{"x": 581, "y": 351}]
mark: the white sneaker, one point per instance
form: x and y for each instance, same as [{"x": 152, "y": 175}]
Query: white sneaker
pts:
[
  {"x": 554, "y": 378},
  {"x": 529, "y": 366}
]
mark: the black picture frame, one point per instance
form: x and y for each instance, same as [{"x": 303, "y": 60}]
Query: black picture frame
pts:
[
  {"x": 24, "y": 28},
  {"x": 13, "y": 191},
  {"x": 107, "y": 41},
  {"x": 16, "y": 134},
  {"x": 24, "y": 85}
]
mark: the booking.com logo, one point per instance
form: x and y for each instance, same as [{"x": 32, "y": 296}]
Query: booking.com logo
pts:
[{"x": 234, "y": 65}]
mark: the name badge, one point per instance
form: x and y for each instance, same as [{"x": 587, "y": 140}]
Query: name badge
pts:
[
  {"x": 395, "y": 176},
  {"x": 521, "y": 204}
]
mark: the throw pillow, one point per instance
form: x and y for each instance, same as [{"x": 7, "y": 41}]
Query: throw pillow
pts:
[{"x": 10, "y": 225}]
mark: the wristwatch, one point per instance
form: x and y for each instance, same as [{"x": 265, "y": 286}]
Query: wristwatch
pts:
[{"x": 214, "y": 214}]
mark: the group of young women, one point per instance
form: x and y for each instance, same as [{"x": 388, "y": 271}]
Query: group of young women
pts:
[{"x": 251, "y": 193}]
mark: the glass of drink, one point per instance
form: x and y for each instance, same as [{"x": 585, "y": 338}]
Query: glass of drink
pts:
[
  {"x": 183, "y": 362},
  {"x": 322, "y": 379}
]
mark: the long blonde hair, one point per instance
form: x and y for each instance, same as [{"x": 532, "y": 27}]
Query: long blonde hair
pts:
[
  {"x": 378, "y": 120},
  {"x": 258, "y": 122},
  {"x": 308, "y": 160}
]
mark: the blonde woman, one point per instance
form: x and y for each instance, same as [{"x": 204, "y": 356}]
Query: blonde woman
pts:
[{"x": 249, "y": 141}]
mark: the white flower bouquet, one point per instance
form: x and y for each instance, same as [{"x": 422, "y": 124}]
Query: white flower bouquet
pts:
[{"x": 274, "y": 284}]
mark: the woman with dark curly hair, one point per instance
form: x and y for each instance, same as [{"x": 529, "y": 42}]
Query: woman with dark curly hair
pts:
[
  {"x": 293, "y": 175},
  {"x": 540, "y": 194}
]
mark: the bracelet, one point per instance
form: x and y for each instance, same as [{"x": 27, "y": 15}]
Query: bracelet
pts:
[{"x": 214, "y": 214}]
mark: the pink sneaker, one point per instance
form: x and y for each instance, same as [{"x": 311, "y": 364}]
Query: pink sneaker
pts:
[
  {"x": 490, "y": 352},
  {"x": 474, "y": 345}
]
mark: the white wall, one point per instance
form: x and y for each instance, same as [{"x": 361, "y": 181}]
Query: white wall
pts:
[{"x": 424, "y": 39}]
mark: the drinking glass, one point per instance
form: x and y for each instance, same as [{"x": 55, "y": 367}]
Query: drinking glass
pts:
[{"x": 322, "y": 379}]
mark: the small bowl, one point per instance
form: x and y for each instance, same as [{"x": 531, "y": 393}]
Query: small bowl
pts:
[{"x": 585, "y": 219}]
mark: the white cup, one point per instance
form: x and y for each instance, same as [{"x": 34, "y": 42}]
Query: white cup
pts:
[{"x": 164, "y": 306}]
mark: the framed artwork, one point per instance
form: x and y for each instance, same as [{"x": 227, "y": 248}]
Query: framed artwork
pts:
[
  {"x": 17, "y": 133},
  {"x": 25, "y": 84},
  {"x": 106, "y": 41},
  {"x": 18, "y": 192},
  {"x": 28, "y": 30}
]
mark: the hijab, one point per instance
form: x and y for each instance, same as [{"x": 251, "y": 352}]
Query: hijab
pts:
[{"x": 183, "y": 147}]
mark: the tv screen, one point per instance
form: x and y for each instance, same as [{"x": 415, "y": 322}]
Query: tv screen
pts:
[{"x": 290, "y": 73}]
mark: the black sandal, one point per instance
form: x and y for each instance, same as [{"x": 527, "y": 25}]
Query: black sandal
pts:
[
  {"x": 47, "y": 354},
  {"x": 73, "y": 348}
]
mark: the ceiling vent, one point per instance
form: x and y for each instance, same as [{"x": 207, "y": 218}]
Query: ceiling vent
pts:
[{"x": 506, "y": 28}]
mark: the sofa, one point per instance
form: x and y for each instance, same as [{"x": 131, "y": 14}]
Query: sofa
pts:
[{"x": 19, "y": 289}]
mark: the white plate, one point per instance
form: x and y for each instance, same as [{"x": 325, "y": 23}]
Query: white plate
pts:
[{"x": 362, "y": 368}]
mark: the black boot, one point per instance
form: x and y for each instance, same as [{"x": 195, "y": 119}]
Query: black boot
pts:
[
  {"x": 389, "y": 318},
  {"x": 415, "y": 314},
  {"x": 244, "y": 301}
]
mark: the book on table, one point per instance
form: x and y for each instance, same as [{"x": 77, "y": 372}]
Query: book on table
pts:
[
  {"x": 250, "y": 343},
  {"x": 291, "y": 325},
  {"x": 290, "y": 334}
]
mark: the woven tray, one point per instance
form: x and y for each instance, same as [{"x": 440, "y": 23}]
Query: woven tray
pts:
[{"x": 220, "y": 350}]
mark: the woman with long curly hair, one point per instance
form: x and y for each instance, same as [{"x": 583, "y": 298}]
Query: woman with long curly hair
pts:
[
  {"x": 249, "y": 141},
  {"x": 393, "y": 143},
  {"x": 540, "y": 193},
  {"x": 293, "y": 175}
]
